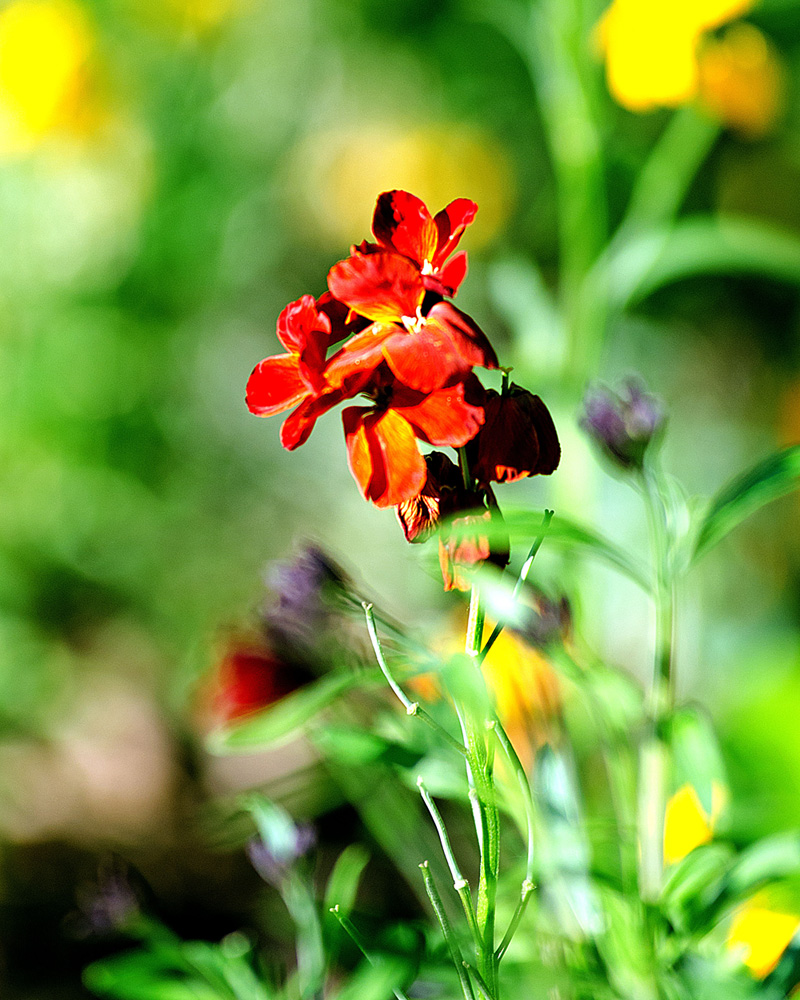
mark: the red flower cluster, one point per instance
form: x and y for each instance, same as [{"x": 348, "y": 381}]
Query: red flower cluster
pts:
[{"x": 385, "y": 330}]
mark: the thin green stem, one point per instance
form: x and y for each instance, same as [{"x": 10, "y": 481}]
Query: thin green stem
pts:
[
  {"x": 447, "y": 931},
  {"x": 525, "y": 895},
  {"x": 460, "y": 884},
  {"x": 527, "y": 795},
  {"x": 411, "y": 707},
  {"x": 523, "y": 576},
  {"x": 660, "y": 701},
  {"x": 355, "y": 937},
  {"x": 480, "y": 982}
]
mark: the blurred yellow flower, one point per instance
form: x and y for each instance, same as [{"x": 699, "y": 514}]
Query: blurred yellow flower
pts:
[
  {"x": 336, "y": 175},
  {"x": 525, "y": 689},
  {"x": 650, "y": 47},
  {"x": 687, "y": 824},
  {"x": 761, "y": 934},
  {"x": 741, "y": 80},
  {"x": 45, "y": 46}
]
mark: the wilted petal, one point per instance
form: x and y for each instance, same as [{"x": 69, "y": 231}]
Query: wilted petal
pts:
[
  {"x": 382, "y": 286},
  {"x": 275, "y": 385}
]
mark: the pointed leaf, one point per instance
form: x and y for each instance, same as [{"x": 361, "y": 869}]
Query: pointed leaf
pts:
[{"x": 776, "y": 476}]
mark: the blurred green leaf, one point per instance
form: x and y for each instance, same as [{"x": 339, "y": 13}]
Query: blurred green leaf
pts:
[
  {"x": 280, "y": 721},
  {"x": 698, "y": 245},
  {"x": 765, "y": 861},
  {"x": 375, "y": 982},
  {"x": 694, "y": 884},
  {"x": 696, "y": 757},
  {"x": 772, "y": 478},
  {"x": 342, "y": 885},
  {"x": 347, "y": 745}
]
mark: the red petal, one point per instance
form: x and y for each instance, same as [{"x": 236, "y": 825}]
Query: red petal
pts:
[
  {"x": 402, "y": 222},
  {"x": 275, "y": 385},
  {"x": 448, "y": 278},
  {"x": 446, "y": 348},
  {"x": 355, "y": 361},
  {"x": 382, "y": 286},
  {"x": 299, "y": 321},
  {"x": 383, "y": 456},
  {"x": 443, "y": 417},
  {"x": 450, "y": 225},
  {"x": 472, "y": 343},
  {"x": 298, "y": 425}
]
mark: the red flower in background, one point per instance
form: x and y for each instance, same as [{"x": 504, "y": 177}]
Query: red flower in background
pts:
[
  {"x": 518, "y": 438},
  {"x": 248, "y": 679},
  {"x": 381, "y": 448},
  {"x": 423, "y": 352},
  {"x": 403, "y": 225}
]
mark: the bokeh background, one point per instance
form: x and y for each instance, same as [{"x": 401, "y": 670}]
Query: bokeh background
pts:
[{"x": 172, "y": 173}]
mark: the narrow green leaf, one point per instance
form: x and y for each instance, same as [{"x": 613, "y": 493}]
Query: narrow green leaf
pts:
[
  {"x": 698, "y": 245},
  {"x": 278, "y": 722},
  {"x": 342, "y": 885},
  {"x": 774, "y": 477}
]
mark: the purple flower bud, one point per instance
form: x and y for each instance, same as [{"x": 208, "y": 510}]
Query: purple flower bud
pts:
[
  {"x": 304, "y": 591},
  {"x": 623, "y": 425},
  {"x": 273, "y": 861}
]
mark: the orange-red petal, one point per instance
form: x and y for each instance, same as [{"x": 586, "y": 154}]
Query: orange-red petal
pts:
[
  {"x": 384, "y": 287},
  {"x": 275, "y": 385},
  {"x": 403, "y": 223},
  {"x": 450, "y": 225},
  {"x": 443, "y": 417},
  {"x": 383, "y": 455}
]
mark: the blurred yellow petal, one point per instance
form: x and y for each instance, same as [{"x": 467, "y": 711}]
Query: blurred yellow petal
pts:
[
  {"x": 651, "y": 48},
  {"x": 686, "y": 825},
  {"x": 44, "y": 49},
  {"x": 761, "y": 935},
  {"x": 741, "y": 80},
  {"x": 525, "y": 689},
  {"x": 336, "y": 175}
]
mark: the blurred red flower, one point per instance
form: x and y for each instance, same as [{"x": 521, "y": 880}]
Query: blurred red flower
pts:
[{"x": 248, "y": 679}]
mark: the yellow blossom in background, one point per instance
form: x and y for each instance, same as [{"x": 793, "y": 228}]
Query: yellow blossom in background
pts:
[
  {"x": 525, "y": 690},
  {"x": 651, "y": 46},
  {"x": 761, "y": 934},
  {"x": 687, "y": 824},
  {"x": 335, "y": 174},
  {"x": 741, "y": 80},
  {"x": 45, "y": 46}
]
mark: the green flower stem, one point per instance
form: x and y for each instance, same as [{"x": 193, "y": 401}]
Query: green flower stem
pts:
[
  {"x": 660, "y": 701},
  {"x": 447, "y": 930},
  {"x": 523, "y": 576},
  {"x": 411, "y": 707},
  {"x": 525, "y": 895},
  {"x": 527, "y": 795},
  {"x": 355, "y": 937},
  {"x": 483, "y": 989},
  {"x": 460, "y": 884}
]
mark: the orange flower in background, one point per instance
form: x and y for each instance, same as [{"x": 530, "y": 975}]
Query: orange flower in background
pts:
[
  {"x": 741, "y": 80},
  {"x": 651, "y": 47}
]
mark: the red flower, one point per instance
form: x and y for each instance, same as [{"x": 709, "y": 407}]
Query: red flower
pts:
[
  {"x": 305, "y": 329},
  {"x": 423, "y": 352},
  {"x": 250, "y": 679},
  {"x": 381, "y": 447},
  {"x": 403, "y": 224},
  {"x": 518, "y": 438}
]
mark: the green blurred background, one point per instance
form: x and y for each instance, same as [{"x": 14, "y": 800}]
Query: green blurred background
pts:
[{"x": 172, "y": 172}]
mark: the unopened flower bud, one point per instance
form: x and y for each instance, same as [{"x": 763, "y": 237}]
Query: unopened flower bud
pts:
[{"x": 623, "y": 425}]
